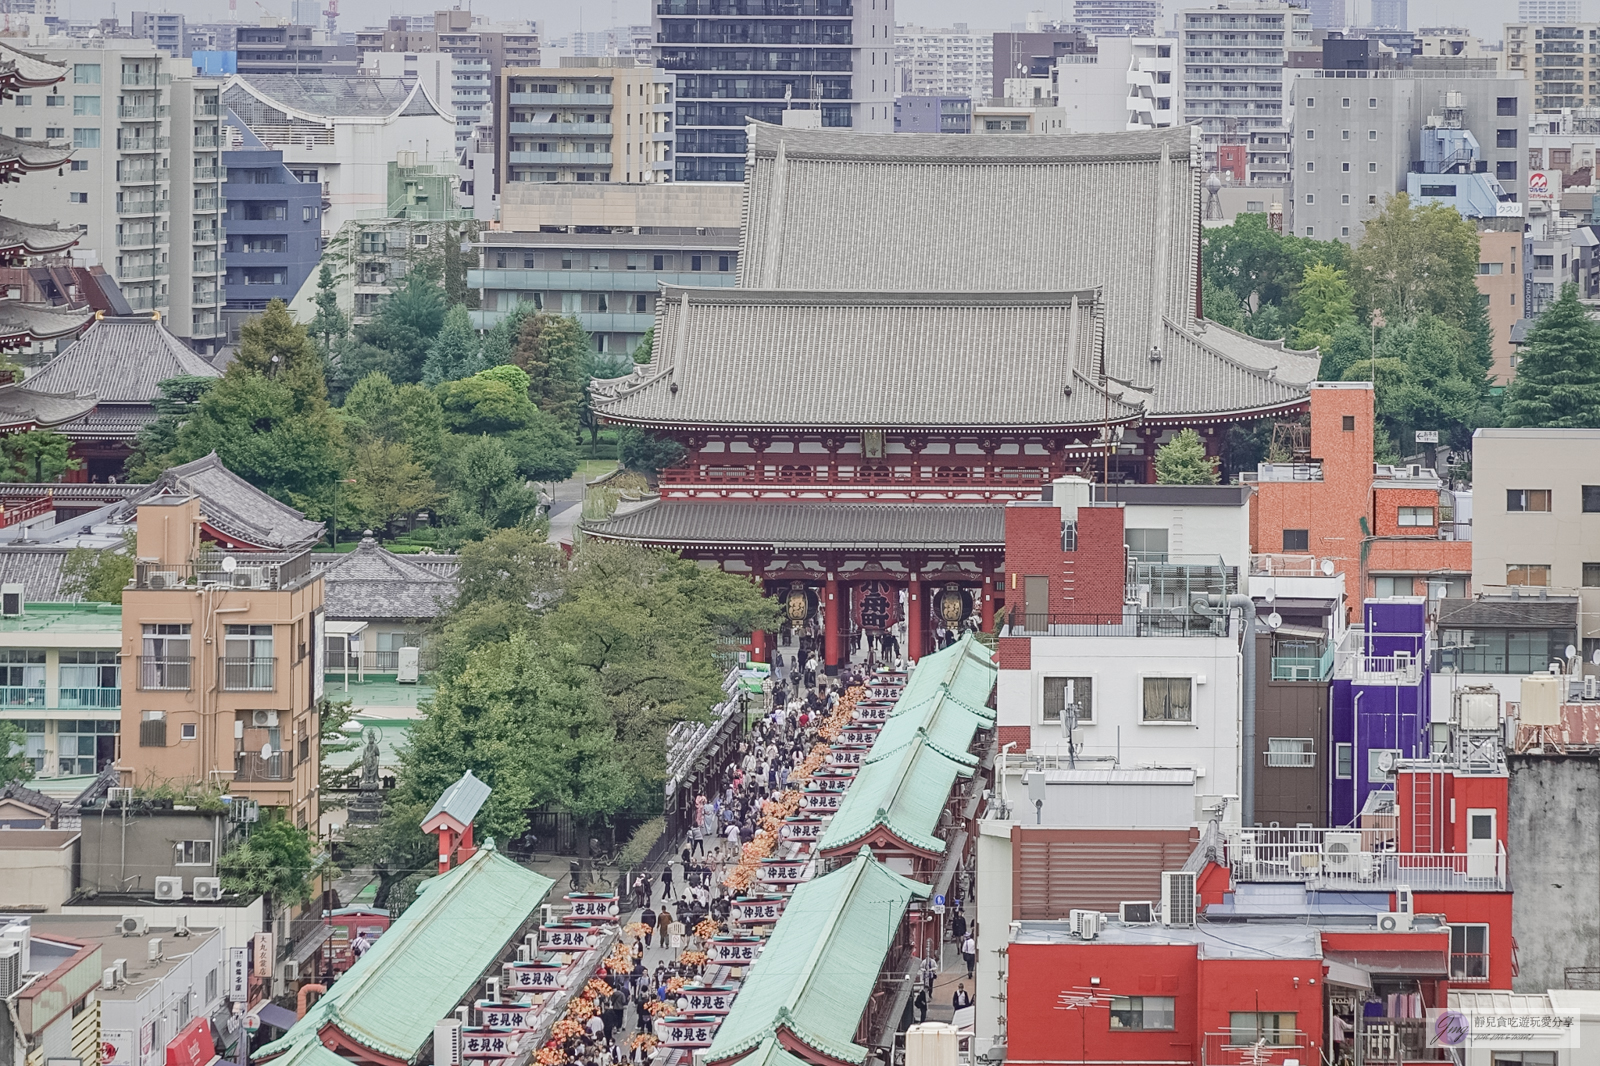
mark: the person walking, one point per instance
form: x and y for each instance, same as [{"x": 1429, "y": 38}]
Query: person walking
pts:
[
  {"x": 958, "y": 926},
  {"x": 647, "y": 918},
  {"x": 969, "y": 954},
  {"x": 962, "y": 998},
  {"x": 930, "y": 974},
  {"x": 920, "y": 1001}
]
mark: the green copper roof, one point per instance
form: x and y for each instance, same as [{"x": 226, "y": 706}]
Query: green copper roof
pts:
[
  {"x": 428, "y": 961},
  {"x": 907, "y": 776},
  {"x": 817, "y": 973},
  {"x": 772, "y": 1053}
]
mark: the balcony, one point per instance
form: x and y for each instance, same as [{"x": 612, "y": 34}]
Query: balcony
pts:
[
  {"x": 560, "y": 99},
  {"x": 21, "y": 696},
  {"x": 208, "y": 329},
  {"x": 208, "y": 265},
  {"x": 568, "y": 159},
  {"x": 208, "y": 141},
  {"x": 561, "y": 129},
  {"x": 142, "y": 272},
  {"x": 247, "y": 674},
  {"x": 140, "y": 176},
  {"x": 165, "y": 674},
  {"x": 250, "y": 766},
  {"x": 137, "y": 240},
  {"x": 208, "y": 236},
  {"x": 1303, "y": 668},
  {"x": 90, "y": 698},
  {"x": 1279, "y": 472},
  {"x": 209, "y": 173},
  {"x": 206, "y": 110},
  {"x": 147, "y": 206},
  {"x": 1133, "y": 623},
  {"x": 206, "y": 298},
  {"x": 1359, "y": 860},
  {"x": 143, "y": 112}
]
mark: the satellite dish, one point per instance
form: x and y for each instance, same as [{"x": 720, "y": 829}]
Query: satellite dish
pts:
[
  {"x": 229, "y": 564},
  {"x": 1274, "y": 620},
  {"x": 1387, "y": 761},
  {"x": 1327, "y": 567},
  {"x": 266, "y": 751},
  {"x": 1571, "y": 651},
  {"x": 1271, "y": 595},
  {"x": 1595, "y": 658}
]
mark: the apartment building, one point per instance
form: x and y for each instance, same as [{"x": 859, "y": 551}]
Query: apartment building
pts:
[
  {"x": 592, "y": 119},
  {"x": 1154, "y": 84},
  {"x": 63, "y": 685},
  {"x": 1500, "y": 284},
  {"x": 143, "y": 186},
  {"x": 274, "y": 228},
  {"x": 228, "y": 648},
  {"x": 835, "y": 56},
  {"x": 163, "y": 29},
  {"x": 1117, "y": 18},
  {"x": 952, "y": 61},
  {"x": 1234, "y": 54},
  {"x": 933, "y": 114},
  {"x": 1358, "y": 137},
  {"x": 277, "y": 47},
  {"x": 1558, "y": 60},
  {"x": 602, "y": 252},
  {"x": 1034, "y": 52}
]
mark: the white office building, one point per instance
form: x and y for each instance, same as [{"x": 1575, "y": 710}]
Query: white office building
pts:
[
  {"x": 953, "y": 61},
  {"x": 1234, "y": 54}
]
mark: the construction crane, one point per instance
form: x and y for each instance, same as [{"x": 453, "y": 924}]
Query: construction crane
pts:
[{"x": 331, "y": 13}]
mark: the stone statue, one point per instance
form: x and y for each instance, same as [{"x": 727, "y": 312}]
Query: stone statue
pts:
[
  {"x": 367, "y": 807},
  {"x": 369, "y": 762}
]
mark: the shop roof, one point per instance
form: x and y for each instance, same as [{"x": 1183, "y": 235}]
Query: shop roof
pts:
[
  {"x": 1253, "y": 940},
  {"x": 817, "y": 972},
  {"x": 67, "y": 625},
  {"x": 428, "y": 961}
]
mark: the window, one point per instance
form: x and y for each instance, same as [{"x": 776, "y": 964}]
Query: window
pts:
[
  {"x": 1274, "y": 1028},
  {"x": 212, "y": 982},
  {"x": 80, "y": 164},
  {"x": 1416, "y": 516},
  {"x": 659, "y": 262},
  {"x": 1296, "y": 540},
  {"x": 1348, "y": 423},
  {"x": 1063, "y": 692},
  {"x": 1386, "y": 586},
  {"x": 1344, "y": 135},
  {"x": 1491, "y": 268},
  {"x": 165, "y": 662},
  {"x": 1505, "y": 105},
  {"x": 724, "y": 263},
  {"x": 1140, "y": 1013},
  {"x": 1311, "y": 101},
  {"x": 54, "y": 133},
  {"x": 25, "y": 100},
  {"x": 1344, "y": 167},
  {"x": 86, "y": 138},
  {"x": 1372, "y": 102},
  {"x": 1438, "y": 190},
  {"x": 1310, "y": 231},
  {"x": 78, "y": 197},
  {"x": 1343, "y": 757},
  {"x": 86, "y": 73},
  {"x": 1372, "y": 168},
  {"x": 1311, "y": 135},
  {"x": 188, "y": 731},
  {"x": 1293, "y": 752},
  {"x": 1146, "y": 545},
  {"x": 1344, "y": 198},
  {"x": 90, "y": 678},
  {"x": 22, "y": 677},
  {"x": 1168, "y": 699},
  {"x": 191, "y": 852},
  {"x": 1345, "y": 102},
  {"x": 24, "y": 131},
  {"x": 1536, "y": 574},
  {"x": 1591, "y": 499},
  {"x": 55, "y": 101},
  {"x": 1527, "y": 499},
  {"x": 694, "y": 262},
  {"x": 1505, "y": 138},
  {"x": 641, "y": 304},
  {"x": 1311, "y": 198},
  {"x": 1372, "y": 135},
  {"x": 1310, "y": 165},
  {"x": 1469, "y": 953},
  {"x": 1505, "y": 170}
]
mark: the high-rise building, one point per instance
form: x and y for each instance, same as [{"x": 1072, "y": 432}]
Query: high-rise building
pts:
[
  {"x": 953, "y": 61},
  {"x": 1117, "y": 18},
  {"x": 836, "y": 57},
  {"x": 1554, "y": 57},
  {"x": 1328, "y": 14},
  {"x": 1033, "y": 52},
  {"x": 162, "y": 29},
  {"x": 1154, "y": 86},
  {"x": 1233, "y": 58},
  {"x": 593, "y": 118},
  {"x": 144, "y": 182},
  {"x": 1389, "y": 15},
  {"x": 277, "y": 47},
  {"x": 1550, "y": 11},
  {"x": 274, "y": 228},
  {"x": 305, "y": 12}
]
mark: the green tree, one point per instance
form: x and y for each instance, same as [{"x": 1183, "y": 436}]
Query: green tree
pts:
[
  {"x": 278, "y": 860},
  {"x": 554, "y": 351},
  {"x": 1558, "y": 374},
  {"x": 377, "y": 409},
  {"x": 396, "y": 341},
  {"x": 600, "y": 366},
  {"x": 495, "y": 401},
  {"x": 1183, "y": 461},
  {"x": 1349, "y": 345},
  {"x": 268, "y": 418},
  {"x": 1259, "y": 266},
  {"x": 1326, "y": 302},
  {"x": 486, "y": 491},
  {"x": 179, "y": 399},
  {"x": 1221, "y": 305},
  {"x": 99, "y": 574},
  {"x": 455, "y": 352},
  {"x": 1427, "y": 378},
  {"x": 37, "y": 455},
  {"x": 14, "y": 762},
  {"x": 389, "y": 484},
  {"x": 500, "y": 342},
  {"x": 1416, "y": 259},
  {"x": 641, "y": 450},
  {"x": 646, "y": 346},
  {"x": 329, "y": 325}
]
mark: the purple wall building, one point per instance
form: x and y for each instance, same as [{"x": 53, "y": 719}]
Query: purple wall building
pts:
[{"x": 1378, "y": 705}]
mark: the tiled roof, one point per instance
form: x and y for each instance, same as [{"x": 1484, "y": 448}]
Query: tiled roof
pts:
[
  {"x": 429, "y": 960},
  {"x": 32, "y": 155},
  {"x": 869, "y": 359},
  {"x": 20, "y": 321},
  {"x": 680, "y": 523},
  {"x": 906, "y": 778},
  {"x": 818, "y": 970},
  {"x": 372, "y": 582},
  {"x": 27, "y": 69},
  {"x": 110, "y": 422},
  {"x": 121, "y": 360},
  {"x": 38, "y": 571},
  {"x": 1115, "y": 212},
  {"x": 26, "y": 238},
  {"x": 316, "y": 96},
  {"x": 233, "y": 506},
  {"x": 461, "y": 801},
  {"x": 16, "y": 790},
  {"x": 1524, "y": 612},
  {"x": 21, "y": 405}
]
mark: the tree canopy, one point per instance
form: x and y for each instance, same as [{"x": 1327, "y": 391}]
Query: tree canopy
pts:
[
  {"x": 1183, "y": 461},
  {"x": 1558, "y": 374}
]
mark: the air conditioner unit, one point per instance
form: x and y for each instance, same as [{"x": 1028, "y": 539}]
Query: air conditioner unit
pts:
[
  {"x": 249, "y": 577},
  {"x": 1403, "y": 903},
  {"x": 180, "y": 925},
  {"x": 117, "y": 796},
  {"x": 447, "y": 1043},
  {"x": 108, "y": 977},
  {"x": 1178, "y": 898},
  {"x": 208, "y": 889},
  {"x": 1136, "y": 913},
  {"x": 1341, "y": 852},
  {"x": 11, "y": 600},
  {"x": 153, "y": 949},
  {"x": 1075, "y": 919},
  {"x": 491, "y": 990},
  {"x": 169, "y": 888},
  {"x": 121, "y": 966},
  {"x": 165, "y": 579},
  {"x": 1394, "y": 922},
  {"x": 1089, "y": 928},
  {"x": 264, "y": 719},
  {"x": 10, "y": 971},
  {"x": 132, "y": 925},
  {"x": 1591, "y": 686},
  {"x": 291, "y": 971}
]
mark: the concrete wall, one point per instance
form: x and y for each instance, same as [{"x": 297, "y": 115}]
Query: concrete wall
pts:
[
  {"x": 699, "y": 205},
  {"x": 38, "y": 865},
  {"x": 993, "y": 916},
  {"x": 1555, "y": 867},
  {"x": 128, "y": 856}
]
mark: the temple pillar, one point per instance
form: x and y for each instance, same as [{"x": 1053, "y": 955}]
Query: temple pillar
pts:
[
  {"x": 914, "y": 613},
  {"x": 986, "y": 606},
  {"x": 830, "y": 622}
]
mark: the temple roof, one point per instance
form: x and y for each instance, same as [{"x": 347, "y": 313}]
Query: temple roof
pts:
[
  {"x": 17, "y": 154},
  {"x": 853, "y": 360},
  {"x": 24, "y": 406},
  {"x": 1115, "y": 212},
  {"x": 121, "y": 361},
  {"x": 24, "y": 322},
  {"x": 687, "y": 523},
  {"x": 232, "y": 506},
  {"x": 27, "y": 70},
  {"x": 372, "y": 582},
  {"x": 26, "y": 238}
]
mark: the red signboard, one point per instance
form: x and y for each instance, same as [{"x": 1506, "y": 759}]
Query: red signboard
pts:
[{"x": 192, "y": 1045}]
